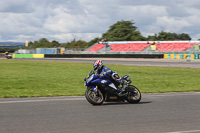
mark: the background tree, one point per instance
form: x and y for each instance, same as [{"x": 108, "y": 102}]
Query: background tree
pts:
[
  {"x": 55, "y": 43},
  {"x": 167, "y": 36},
  {"x": 43, "y": 43},
  {"x": 184, "y": 36},
  {"x": 79, "y": 45},
  {"x": 162, "y": 36},
  {"x": 123, "y": 31},
  {"x": 152, "y": 37}
]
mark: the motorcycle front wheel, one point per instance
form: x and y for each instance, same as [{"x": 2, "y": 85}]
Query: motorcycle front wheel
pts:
[
  {"x": 94, "y": 97},
  {"x": 134, "y": 96}
]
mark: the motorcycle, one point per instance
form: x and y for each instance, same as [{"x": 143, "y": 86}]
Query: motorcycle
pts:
[
  {"x": 9, "y": 56},
  {"x": 101, "y": 90}
]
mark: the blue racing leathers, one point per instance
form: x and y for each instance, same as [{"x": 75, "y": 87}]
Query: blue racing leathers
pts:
[{"x": 105, "y": 72}]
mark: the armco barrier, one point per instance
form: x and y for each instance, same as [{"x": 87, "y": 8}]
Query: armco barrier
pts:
[
  {"x": 28, "y": 55},
  {"x": 103, "y": 55}
]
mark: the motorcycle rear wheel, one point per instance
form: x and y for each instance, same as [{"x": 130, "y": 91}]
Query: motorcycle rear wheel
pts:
[
  {"x": 94, "y": 97},
  {"x": 134, "y": 97}
]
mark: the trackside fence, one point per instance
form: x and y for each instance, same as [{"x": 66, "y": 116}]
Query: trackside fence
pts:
[{"x": 158, "y": 56}]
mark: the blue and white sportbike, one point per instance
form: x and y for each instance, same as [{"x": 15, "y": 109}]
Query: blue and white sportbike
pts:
[{"x": 101, "y": 90}]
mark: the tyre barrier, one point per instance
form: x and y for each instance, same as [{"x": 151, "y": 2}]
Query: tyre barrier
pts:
[{"x": 181, "y": 56}]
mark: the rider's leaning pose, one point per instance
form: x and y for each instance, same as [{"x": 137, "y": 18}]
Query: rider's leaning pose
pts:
[{"x": 106, "y": 72}]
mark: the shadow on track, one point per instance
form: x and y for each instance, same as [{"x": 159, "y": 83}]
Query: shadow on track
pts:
[{"x": 125, "y": 103}]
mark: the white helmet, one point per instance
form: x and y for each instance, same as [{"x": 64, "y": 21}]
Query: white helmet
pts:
[{"x": 98, "y": 65}]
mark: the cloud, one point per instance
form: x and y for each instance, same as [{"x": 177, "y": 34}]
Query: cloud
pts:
[
  {"x": 171, "y": 24},
  {"x": 64, "y": 20},
  {"x": 13, "y": 6}
]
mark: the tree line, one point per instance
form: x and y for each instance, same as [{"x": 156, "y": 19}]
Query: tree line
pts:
[{"x": 120, "y": 31}]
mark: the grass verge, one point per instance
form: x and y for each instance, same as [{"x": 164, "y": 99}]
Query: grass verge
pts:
[{"x": 23, "y": 78}]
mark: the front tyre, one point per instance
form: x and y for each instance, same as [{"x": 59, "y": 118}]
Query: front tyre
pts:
[
  {"x": 134, "y": 96},
  {"x": 94, "y": 97}
]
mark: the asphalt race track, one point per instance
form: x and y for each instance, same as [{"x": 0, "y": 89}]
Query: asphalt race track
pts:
[
  {"x": 182, "y": 63},
  {"x": 156, "y": 113}
]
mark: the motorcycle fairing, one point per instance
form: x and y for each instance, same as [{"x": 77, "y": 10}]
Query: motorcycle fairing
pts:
[{"x": 105, "y": 82}]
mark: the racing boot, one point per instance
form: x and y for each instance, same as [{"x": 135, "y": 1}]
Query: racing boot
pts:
[{"x": 122, "y": 90}]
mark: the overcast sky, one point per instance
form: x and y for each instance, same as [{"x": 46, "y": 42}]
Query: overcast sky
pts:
[{"x": 64, "y": 20}]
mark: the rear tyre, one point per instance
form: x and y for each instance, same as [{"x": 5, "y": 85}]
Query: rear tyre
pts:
[
  {"x": 94, "y": 97},
  {"x": 135, "y": 96}
]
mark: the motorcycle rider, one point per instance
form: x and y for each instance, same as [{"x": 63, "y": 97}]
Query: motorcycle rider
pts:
[
  {"x": 6, "y": 53},
  {"x": 106, "y": 72}
]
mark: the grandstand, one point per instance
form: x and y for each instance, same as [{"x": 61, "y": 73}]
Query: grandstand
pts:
[
  {"x": 161, "y": 46},
  {"x": 128, "y": 47},
  {"x": 174, "y": 46},
  {"x": 97, "y": 47}
]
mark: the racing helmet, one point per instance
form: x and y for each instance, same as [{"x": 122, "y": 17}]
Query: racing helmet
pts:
[{"x": 97, "y": 65}]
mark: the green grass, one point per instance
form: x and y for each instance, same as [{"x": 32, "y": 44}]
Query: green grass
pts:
[{"x": 23, "y": 78}]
